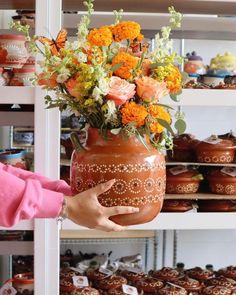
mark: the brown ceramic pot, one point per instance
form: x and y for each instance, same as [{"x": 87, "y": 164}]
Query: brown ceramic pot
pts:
[
  {"x": 216, "y": 290},
  {"x": 139, "y": 173},
  {"x": 24, "y": 283},
  {"x": 149, "y": 285},
  {"x": 165, "y": 274},
  {"x": 172, "y": 290},
  {"x": 221, "y": 183},
  {"x": 222, "y": 152},
  {"x": 184, "y": 183},
  {"x": 177, "y": 205},
  {"x": 85, "y": 291},
  {"x": 228, "y": 272},
  {"x": 222, "y": 281},
  {"x": 189, "y": 284},
  {"x": 217, "y": 205},
  {"x": 183, "y": 148},
  {"x": 199, "y": 274},
  {"x": 112, "y": 282}
]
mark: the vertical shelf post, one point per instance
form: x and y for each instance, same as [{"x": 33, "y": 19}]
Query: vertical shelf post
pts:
[{"x": 47, "y": 159}]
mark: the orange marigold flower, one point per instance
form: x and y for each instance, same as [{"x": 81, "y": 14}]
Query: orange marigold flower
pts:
[
  {"x": 126, "y": 30},
  {"x": 100, "y": 37},
  {"x": 129, "y": 63},
  {"x": 133, "y": 113},
  {"x": 158, "y": 112},
  {"x": 140, "y": 37},
  {"x": 174, "y": 80}
]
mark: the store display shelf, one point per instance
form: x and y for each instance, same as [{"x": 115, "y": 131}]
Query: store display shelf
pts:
[
  {"x": 17, "y": 95},
  {"x": 94, "y": 234},
  {"x": 179, "y": 221},
  {"x": 199, "y": 196},
  {"x": 203, "y": 97},
  {"x": 16, "y": 248},
  {"x": 171, "y": 163},
  {"x": 22, "y": 225},
  {"x": 191, "y": 6}
]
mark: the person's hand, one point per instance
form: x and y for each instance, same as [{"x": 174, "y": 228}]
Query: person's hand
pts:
[{"x": 85, "y": 209}]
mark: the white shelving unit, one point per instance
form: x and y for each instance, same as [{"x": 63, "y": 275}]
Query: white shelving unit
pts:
[{"x": 47, "y": 127}]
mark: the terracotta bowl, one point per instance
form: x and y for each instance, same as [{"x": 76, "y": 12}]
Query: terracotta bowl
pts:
[
  {"x": 185, "y": 183},
  {"x": 215, "y": 290},
  {"x": 24, "y": 283},
  {"x": 199, "y": 273},
  {"x": 222, "y": 281},
  {"x": 184, "y": 148},
  {"x": 177, "y": 205},
  {"x": 172, "y": 290},
  {"x": 228, "y": 272},
  {"x": 149, "y": 285},
  {"x": 216, "y": 206},
  {"x": 189, "y": 284},
  {"x": 222, "y": 152},
  {"x": 165, "y": 274},
  {"x": 221, "y": 183}
]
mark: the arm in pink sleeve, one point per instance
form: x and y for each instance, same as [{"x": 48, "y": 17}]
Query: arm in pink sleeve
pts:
[
  {"x": 26, "y": 199},
  {"x": 54, "y": 185}
]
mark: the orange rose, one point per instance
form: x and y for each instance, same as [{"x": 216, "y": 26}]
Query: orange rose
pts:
[
  {"x": 120, "y": 90},
  {"x": 150, "y": 90},
  {"x": 50, "y": 82}
]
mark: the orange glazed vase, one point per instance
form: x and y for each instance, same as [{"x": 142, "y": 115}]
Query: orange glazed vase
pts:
[{"x": 139, "y": 172}]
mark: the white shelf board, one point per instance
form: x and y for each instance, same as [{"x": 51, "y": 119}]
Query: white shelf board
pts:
[
  {"x": 17, "y": 95},
  {"x": 178, "y": 221},
  {"x": 203, "y": 97},
  {"x": 16, "y": 248},
  {"x": 199, "y": 196},
  {"x": 22, "y": 225},
  {"x": 171, "y": 163}
]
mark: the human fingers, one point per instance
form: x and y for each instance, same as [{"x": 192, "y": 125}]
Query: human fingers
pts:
[
  {"x": 108, "y": 225},
  {"x": 111, "y": 211},
  {"x": 103, "y": 187}
]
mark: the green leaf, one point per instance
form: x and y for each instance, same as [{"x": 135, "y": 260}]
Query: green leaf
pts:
[
  {"x": 174, "y": 97},
  {"x": 116, "y": 66},
  {"x": 165, "y": 106},
  {"x": 166, "y": 125},
  {"x": 180, "y": 126},
  {"x": 156, "y": 64},
  {"x": 197, "y": 177},
  {"x": 142, "y": 140}
]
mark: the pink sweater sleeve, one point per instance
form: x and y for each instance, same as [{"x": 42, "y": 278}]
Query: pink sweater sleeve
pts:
[
  {"x": 27, "y": 195},
  {"x": 54, "y": 185}
]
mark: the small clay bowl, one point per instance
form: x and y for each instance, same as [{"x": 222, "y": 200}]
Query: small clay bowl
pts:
[
  {"x": 178, "y": 205},
  {"x": 165, "y": 274},
  {"x": 221, "y": 183},
  {"x": 184, "y": 183},
  {"x": 221, "y": 152}
]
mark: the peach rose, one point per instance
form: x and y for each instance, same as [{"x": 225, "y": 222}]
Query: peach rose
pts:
[
  {"x": 120, "y": 90},
  {"x": 149, "y": 90}
]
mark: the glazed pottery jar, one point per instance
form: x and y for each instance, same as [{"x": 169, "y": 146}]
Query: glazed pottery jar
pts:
[
  {"x": 187, "y": 181},
  {"x": 221, "y": 182},
  {"x": 178, "y": 205},
  {"x": 217, "y": 205},
  {"x": 112, "y": 282},
  {"x": 67, "y": 144},
  {"x": 215, "y": 150},
  {"x": 199, "y": 274},
  {"x": 23, "y": 283},
  {"x": 13, "y": 53},
  {"x": 165, "y": 274},
  {"x": 139, "y": 173},
  {"x": 216, "y": 290},
  {"x": 228, "y": 272},
  {"x": 14, "y": 157},
  {"x": 3, "y": 81},
  {"x": 172, "y": 290},
  {"x": 23, "y": 77},
  {"x": 85, "y": 291},
  {"x": 23, "y": 137},
  {"x": 132, "y": 277},
  {"x": 192, "y": 286},
  {"x": 183, "y": 148},
  {"x": 222, "y": 281},
  {"x": 149, "y": 285}
]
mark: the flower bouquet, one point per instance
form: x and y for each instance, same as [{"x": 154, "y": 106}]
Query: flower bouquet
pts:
[{"x": 111, "y": 78}]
